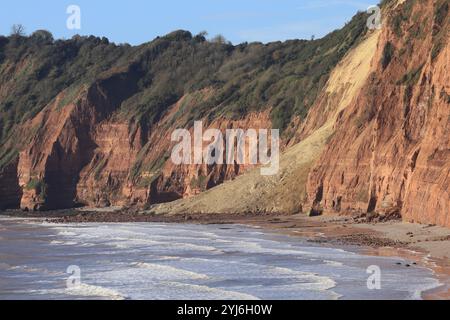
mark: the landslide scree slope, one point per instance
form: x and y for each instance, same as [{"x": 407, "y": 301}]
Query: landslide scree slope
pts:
[{"x": 84, "y": 121}]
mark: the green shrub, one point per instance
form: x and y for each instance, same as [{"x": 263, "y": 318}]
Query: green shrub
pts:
[
  {"x": 70, "y": 95},
  {"x": 388, "y": 53},
  {"x": 440, "y": 31},
  {"x": 436, "y": 50},
  {"x": 445, "y": 96},
  {"x": 401, "y": 16},
  {"x": 440, "y": 14},
  {"x": 411, "y": 78},
  {"x": 407, "y": 95},
  {"x": 39, "y": 186},
  {"x": 200, "y": 182}
]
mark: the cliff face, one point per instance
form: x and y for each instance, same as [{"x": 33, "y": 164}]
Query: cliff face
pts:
[
  {"x": 62, "y": 145},
  {"x": 82, "y": 156},
  {"x": 124, "y": 170},
  {"x": 86, "y": 122},
  {"x": 365, "y": 120},
  {"x": 376, "y": 140},
  {"x": 391, "y": 148}
]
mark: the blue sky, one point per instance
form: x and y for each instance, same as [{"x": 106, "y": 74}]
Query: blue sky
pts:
[{"x": 138, "y": 21}]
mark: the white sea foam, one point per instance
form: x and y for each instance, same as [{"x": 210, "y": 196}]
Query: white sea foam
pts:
[
  {"x": 255, "y": 247},
  {"x": 333, "y": 263},
  {"x": 29, "y": 269},
  {"x": 204, "y": 292},
  {"x": 63, "y": 243},
  {"x": 167, "y": 258},
  {"x": 25, "y": 268},
  {"x": 170, "y": 272},
  {"x": 306, "y": 280},
  {"x": 67, "y": 233},
  {"x": 190, "y": 246},
  {"x": 86, "y": 290}
]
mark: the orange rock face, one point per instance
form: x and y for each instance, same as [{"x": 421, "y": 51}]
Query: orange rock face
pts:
[
  {"x": 82, "y": 156},
  {"x": 391, "y": 148}
]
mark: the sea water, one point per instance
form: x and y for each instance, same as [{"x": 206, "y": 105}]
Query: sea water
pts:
[{"x": 182, "y": 261}]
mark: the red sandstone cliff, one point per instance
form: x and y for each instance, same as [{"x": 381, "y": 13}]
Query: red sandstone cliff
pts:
[
  {"x": 391, "y": 147},
  {"x": 81, "y": 155}
]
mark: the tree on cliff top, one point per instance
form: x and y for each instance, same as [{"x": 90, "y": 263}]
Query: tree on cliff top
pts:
[
  {"x": 42, "y": 36},
  {"x": 220, "y": 39},
  {"x": 18, "y": 30}
]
